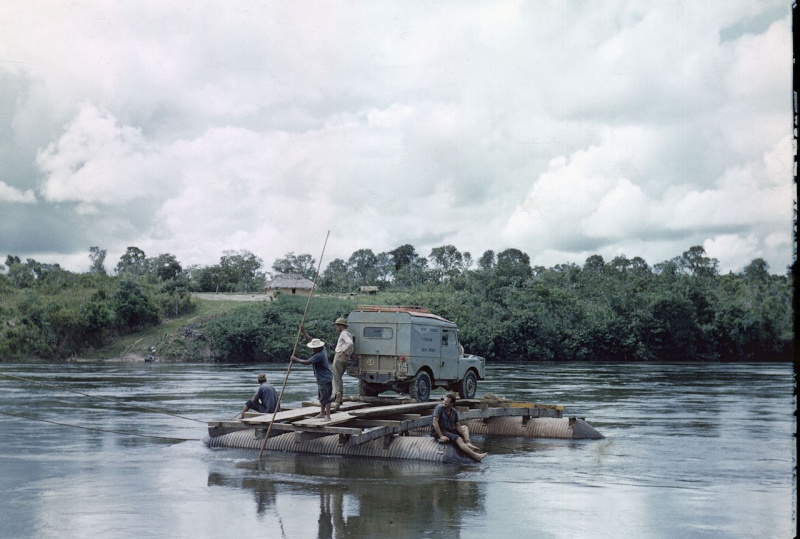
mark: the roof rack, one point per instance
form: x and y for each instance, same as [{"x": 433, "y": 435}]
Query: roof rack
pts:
[{"x": 394, "y": 308}]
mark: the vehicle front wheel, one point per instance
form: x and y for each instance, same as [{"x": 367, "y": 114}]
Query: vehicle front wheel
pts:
[
  {"x": 420, "y": 389},
  {"x": 468, "y": 386}
]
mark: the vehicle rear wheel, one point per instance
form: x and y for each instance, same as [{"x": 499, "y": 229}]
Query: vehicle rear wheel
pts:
[
  {"x": 468, "y": 386},
  {"x": 420, "y": 389},
  {"x": 365, "y": 390}
]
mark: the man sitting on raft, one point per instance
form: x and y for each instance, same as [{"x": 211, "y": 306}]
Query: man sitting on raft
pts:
[
  {"x": 265, "y": 400},
  {"x": 446, "y": 428}
]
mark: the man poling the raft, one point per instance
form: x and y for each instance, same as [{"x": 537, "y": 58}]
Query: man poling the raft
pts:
[
  {"x": 323, "y": 374},
  {"x": 296, "y": 342}
]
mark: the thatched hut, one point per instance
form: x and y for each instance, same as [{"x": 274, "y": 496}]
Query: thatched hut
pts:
[{"x": 290, "y": 283}]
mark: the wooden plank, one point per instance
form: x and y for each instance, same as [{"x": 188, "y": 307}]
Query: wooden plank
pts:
[
  {"x": 280, "y": 427},
  {"x": 494, "y": 412},
  {"x": 394, "y": 409},
  {"x": 298, "y": 413},
  {"x": 381, "y": 400},
  {"x": 348, "y": 431},
  {"x": 550, "y": 406},
  {"x": 281, "y": 416},
  {"x": 417, "y": 423},
  {"x": 403, "y": 417},
  {"x": 366, "y": 423},
  {"x": 379, "y": 432},
  {"x": 337, "y": 418},
  {"x": 372, "y": 434}
]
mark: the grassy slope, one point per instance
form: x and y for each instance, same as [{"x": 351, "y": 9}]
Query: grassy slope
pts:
[{"x": 140, "y": 342}]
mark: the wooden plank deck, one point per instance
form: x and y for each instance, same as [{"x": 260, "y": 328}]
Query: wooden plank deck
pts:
[
  {"x": 299, "y": 413},
  {"x": 359, "y": 422}
]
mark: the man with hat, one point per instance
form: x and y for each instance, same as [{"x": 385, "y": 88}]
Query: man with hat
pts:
[
  {"x": 344, "y": 347},
  {"x": 265, "y": 400},
  {"x": 322, "y": 372}
]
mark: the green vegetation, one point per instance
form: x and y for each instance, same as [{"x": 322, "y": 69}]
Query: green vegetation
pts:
[
  {"x": 50, "y": 313},
  {"x": 680, "y": 309}
]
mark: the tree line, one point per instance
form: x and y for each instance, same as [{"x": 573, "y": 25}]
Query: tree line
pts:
[{"x": 506, "y": 309}]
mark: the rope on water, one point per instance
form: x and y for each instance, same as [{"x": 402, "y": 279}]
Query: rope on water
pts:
[
  {"x": 173, "y": 438},
  {"x": 110, "y": 399}
]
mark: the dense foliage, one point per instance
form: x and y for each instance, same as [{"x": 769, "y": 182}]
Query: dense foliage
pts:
[
  {"x": 623, "y": 309},
  {"x": 680, "y": 309},
  {"x": 48, "y": 312}
]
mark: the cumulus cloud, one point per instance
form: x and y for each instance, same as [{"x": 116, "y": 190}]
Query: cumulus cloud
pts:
[
  {"x": 98, "y": 161},
  {"x": 12, "y": 194},
  {"x": 548, "y": 127}
]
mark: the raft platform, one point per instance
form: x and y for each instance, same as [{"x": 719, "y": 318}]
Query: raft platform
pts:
[{"x": 393, "y": 427}]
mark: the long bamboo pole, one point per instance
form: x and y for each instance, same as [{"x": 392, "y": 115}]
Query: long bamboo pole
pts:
[{"x": 296, "y": 341}]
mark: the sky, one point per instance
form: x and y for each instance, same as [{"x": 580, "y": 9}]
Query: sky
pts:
[{"x": 563, "y": 129}]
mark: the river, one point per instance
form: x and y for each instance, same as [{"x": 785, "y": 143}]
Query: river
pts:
[{"x": 691, "y": 450}]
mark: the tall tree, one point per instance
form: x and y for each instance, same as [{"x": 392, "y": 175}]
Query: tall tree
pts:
[
  {"x": 133, "y": 263},
  {"x": 756, "y": 271},
  {"x": 165, "y": 267},
  {"x": 513, "y": 266},
  {"x": 11, "y": 260},
  {"x": 446, "y": 261},
  {"x": 595, "y": 264},
  {"x": 97, "y": 256},
  {"x": 403, "y": 256},
  {"x": 303, "y": 264},
  {"x": 384, "y": 268},
  {"x": 414, "y": 274},
  {"x": 487, "y": 260},
  {"x": 242, "y": 267},
  {"x": 695, "y": 262},
  {"x": 335, "y": 278},
  {"x": 362, "y": 266}
]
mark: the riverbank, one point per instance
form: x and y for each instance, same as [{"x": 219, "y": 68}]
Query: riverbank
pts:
[{"x": 145, "y": 345}]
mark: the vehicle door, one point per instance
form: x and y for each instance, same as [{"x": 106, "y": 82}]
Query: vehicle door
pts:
[{"x": 448, "y": 368}]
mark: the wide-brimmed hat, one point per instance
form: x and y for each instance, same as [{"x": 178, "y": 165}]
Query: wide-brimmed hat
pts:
[
  {"x": 316, "y": 343},
  {"x": 340, "y": 322}
]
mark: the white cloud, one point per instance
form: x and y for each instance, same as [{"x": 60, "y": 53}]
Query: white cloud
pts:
[
  {"x": 12, "y": 194},
  {"x": 100, "y": 162},
  {"x": 733, "y": 250},
  {"x": 555, "y": 128}
]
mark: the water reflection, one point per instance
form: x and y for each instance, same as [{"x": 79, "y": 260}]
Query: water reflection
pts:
[{"x": 361, "y": 497}]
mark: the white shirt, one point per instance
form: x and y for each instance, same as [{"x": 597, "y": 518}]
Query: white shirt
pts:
[{"x": 344, "y": 346}]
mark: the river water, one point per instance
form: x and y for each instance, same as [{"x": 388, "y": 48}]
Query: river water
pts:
[{"x": 691, "y": 450}]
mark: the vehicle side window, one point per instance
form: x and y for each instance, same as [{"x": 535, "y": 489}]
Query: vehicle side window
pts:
[
  {"x": 378, "y": 333},
  {"x": 445, "y": 337}
]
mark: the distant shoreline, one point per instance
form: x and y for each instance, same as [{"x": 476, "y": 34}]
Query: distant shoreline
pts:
[{"x": 231, "y": 297}]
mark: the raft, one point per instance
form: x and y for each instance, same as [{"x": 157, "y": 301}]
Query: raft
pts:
[{"x": 393, "y": 428}]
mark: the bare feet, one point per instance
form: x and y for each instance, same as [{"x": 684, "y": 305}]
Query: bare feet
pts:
[
  {"x": 480, "y": 456},
  {"x": 319, "y": 416}
]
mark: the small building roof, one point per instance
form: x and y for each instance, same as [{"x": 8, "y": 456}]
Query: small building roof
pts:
[{"x": 289, "y": 280}]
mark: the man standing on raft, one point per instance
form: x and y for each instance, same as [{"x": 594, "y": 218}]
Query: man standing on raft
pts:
[
  {"x": 344, "y": 347},
  {"x": 322, "y": 372},
  {"x": 446, "y": 428}
]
